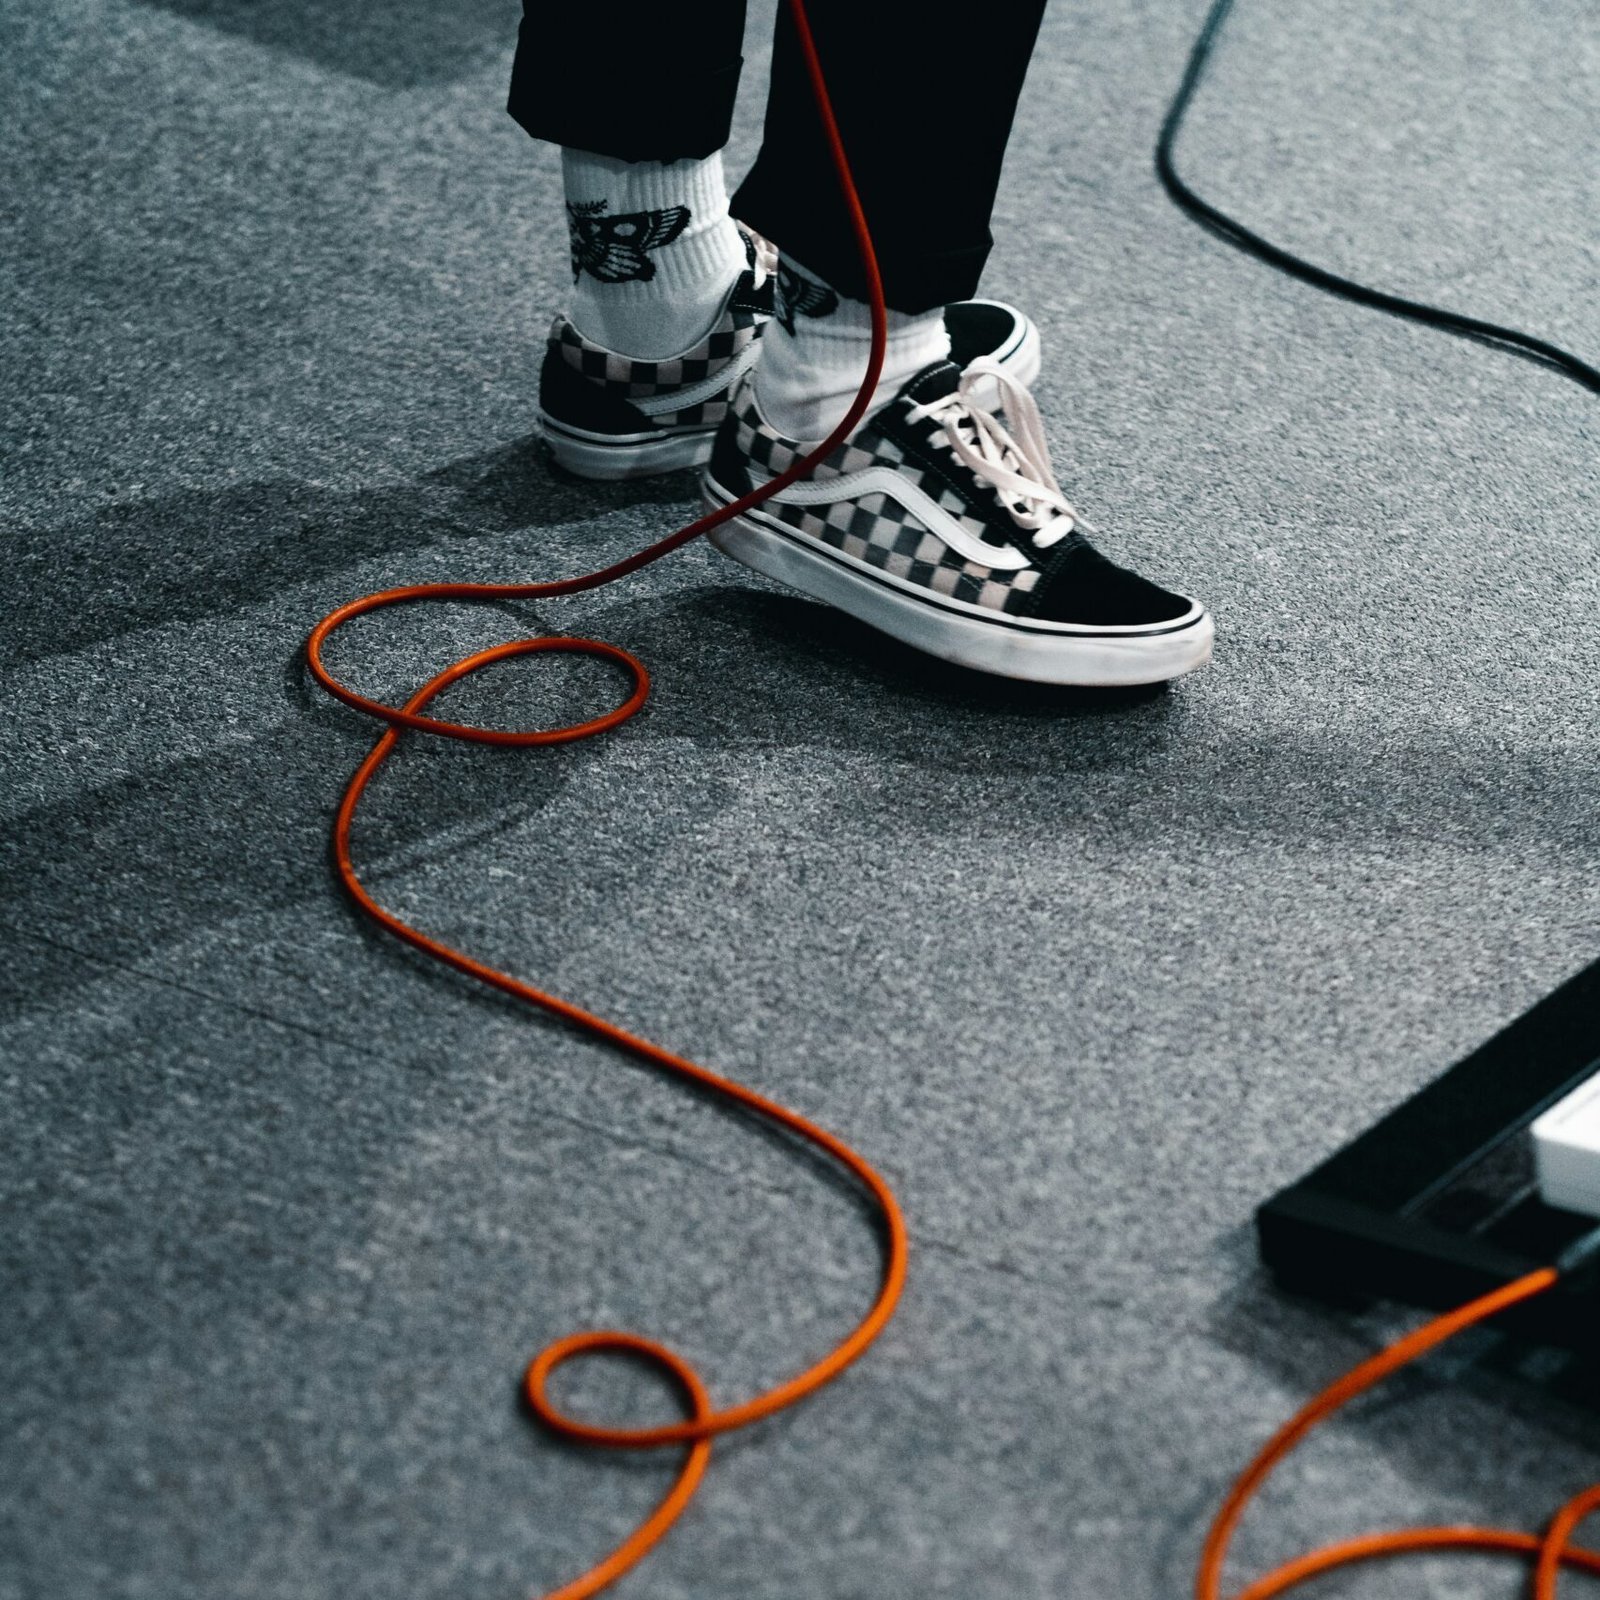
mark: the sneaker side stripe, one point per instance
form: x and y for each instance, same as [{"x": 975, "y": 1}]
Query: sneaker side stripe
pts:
[
  {"x": 924, "y": 598},
  {"x": 707, "y": 389},
  {"x": 896, "y": 486}
]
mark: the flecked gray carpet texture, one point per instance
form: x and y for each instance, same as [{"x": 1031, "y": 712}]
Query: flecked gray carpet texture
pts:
[{"x": 1088, "y": 977}]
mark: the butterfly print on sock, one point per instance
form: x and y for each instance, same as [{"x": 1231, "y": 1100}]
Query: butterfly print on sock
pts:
[
  {"x": 801, "y": 297},
  {"x": 613, "y": 249}
]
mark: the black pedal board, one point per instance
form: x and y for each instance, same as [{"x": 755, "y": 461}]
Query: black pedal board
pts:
[{"x": 1438, "y": 1203}]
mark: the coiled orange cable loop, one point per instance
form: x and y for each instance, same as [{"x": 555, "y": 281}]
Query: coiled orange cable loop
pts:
[
  {"x": 1550, "y": 1553},
  {"x": 704, "y": 1421}
]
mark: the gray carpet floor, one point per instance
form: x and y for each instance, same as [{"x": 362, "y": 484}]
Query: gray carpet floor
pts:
[{"x": 1089, "y": 977}]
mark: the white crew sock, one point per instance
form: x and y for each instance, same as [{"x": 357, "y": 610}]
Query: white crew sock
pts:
[
  {"x": 814, "y": 354},
  {"x": 654, "y": 251}
]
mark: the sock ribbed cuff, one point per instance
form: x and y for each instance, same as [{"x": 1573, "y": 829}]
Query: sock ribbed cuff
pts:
[
  {"x": 626, "y": 186},
  {"x": 809, "y": 376},
  {"x": 644, "y": 298}
]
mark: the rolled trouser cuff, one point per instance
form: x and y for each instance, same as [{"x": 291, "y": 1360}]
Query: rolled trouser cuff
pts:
[
  {"x": 630, "y": 110},
  {"x": 813, "y": 226}
]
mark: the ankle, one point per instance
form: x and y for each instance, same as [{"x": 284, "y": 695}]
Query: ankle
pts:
[
  {"x": 654, "y": 251},
  {"x": 815, "y": 352}
]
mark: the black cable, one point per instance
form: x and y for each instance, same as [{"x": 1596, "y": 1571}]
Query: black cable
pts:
[{"x": 1225, "y": 227}]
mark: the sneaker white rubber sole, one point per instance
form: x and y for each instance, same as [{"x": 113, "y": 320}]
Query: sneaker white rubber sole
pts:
[
  {"x": 969, "y": 635},
  {"x": 611, "y": 457}
]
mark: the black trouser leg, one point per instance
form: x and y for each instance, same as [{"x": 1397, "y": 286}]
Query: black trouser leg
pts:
[
  {"x": 637, "y": 80},
  {"x": 924, "y": 92}
]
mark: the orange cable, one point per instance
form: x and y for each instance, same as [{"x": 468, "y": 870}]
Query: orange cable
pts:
[
  {"x": 703, "y": 1421},
  {"x": 1557, "y": 1546},
  {"x": 1551, "y": 1553}
]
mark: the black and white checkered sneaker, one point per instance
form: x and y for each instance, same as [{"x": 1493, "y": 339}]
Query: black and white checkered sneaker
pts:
[
  {"x": 607, "y": 415},
  {"x": 943, "y": 525}
]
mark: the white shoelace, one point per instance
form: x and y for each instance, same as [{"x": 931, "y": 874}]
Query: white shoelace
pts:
[{"x": 1015, "y": 462}]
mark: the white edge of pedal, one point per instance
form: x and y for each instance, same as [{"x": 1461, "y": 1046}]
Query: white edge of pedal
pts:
[{"x": 1566, "y": 1143}]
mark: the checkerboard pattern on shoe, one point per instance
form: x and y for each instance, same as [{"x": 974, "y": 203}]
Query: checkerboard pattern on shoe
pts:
[
  {"x": 608, "y": 415},
  {"x": 657, "y": 380},
  {"x": 943, "y": 525},
  {"x": 876, "y": 527}
]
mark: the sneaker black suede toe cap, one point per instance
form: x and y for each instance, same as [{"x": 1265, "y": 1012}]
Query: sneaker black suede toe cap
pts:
[{"x": 1080, "y": 585}]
